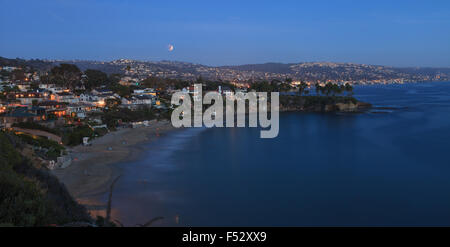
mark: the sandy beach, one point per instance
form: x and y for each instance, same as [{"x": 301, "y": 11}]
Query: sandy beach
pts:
[{"x": 93, "y": 167}]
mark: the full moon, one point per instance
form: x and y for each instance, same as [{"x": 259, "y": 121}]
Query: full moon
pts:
[{"x": 170, "y": 47}]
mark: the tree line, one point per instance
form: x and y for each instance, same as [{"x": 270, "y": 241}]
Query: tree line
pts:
[{"x": 331, "y": 89}]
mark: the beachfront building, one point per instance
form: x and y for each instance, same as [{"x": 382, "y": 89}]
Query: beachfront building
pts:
[{"x": 23, "y": 114}]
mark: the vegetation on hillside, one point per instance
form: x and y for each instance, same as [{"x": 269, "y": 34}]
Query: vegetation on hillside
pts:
[
  {"x": 30, "y": 196},
  {"x": 74, "y": 136},
  {"x": 36, "y": 126},
  {"x": 47, "y": 149}
]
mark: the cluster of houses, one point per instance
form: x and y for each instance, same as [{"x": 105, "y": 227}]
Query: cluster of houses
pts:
[
  {"x": 224, "y": 91},
  {"x": 50, "y": 101},
  {"x": 28, "y": 103},
  {"x": 30, "y": 100}
]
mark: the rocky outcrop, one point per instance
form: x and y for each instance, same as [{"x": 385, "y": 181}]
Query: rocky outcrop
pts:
[{"x": 322, "y": 104}]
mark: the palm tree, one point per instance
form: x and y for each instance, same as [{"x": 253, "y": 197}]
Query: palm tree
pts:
[
  {"x": 329, "y": 88},
  {"x": 302, "y": 87},
  {"x": 349, "y": 89},
  {"x": 319, "y": 89}
]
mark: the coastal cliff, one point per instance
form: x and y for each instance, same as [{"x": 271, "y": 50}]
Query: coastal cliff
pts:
[
  {"x": 321, "y": 104},
  {"x": 31, "y": 195}
]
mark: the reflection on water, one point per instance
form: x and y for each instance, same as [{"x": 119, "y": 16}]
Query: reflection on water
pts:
[{"x": 388, "y": 166}]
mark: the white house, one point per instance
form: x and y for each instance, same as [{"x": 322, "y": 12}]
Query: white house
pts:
[
  {"x": 76, "y": 110},
  {"x": 46, "y": 86},
  {"x": 227, "y": 91},
  {"x": 64, "y": 97},
  {"x": 24, "y": 87},
  {"x": 136, "y": 101},
  {"x": 80, "y": 109},
  {"x": 89, "y": 98},
  {"x": 145, "y": 91},
  {"x": 143, "y": 100}
]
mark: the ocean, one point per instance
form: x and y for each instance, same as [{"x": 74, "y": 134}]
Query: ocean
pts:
[{"x": 389, "y": 166}]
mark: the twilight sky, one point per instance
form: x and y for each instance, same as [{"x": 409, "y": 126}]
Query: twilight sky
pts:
[{"x": 398, "y": 33}]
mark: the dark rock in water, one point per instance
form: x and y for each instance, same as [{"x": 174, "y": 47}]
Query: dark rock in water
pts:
[{"x": 322, "y": 104}]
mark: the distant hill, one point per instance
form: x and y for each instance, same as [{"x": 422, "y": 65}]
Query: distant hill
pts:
[
  {"x": 310, "y": 71},
  {"x": 46, "y": 65},
  {"x": 322, "y": 66},
  {"x": 265, "y": 67},
  {"x": 345, "y": 71},
  {"x": 32, "y": 63}
]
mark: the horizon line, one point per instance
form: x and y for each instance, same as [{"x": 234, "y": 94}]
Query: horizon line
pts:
[{"x": 217, "y": 66}]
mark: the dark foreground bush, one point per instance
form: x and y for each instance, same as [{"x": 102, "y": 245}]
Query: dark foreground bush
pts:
[{"x": 31, "y": 196}]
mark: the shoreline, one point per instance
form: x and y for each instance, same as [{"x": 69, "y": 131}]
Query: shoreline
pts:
[{"x": 94, "y": 167}]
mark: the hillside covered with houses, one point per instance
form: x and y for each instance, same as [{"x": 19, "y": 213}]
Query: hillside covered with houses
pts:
[{"x": 65, "y": 106}]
